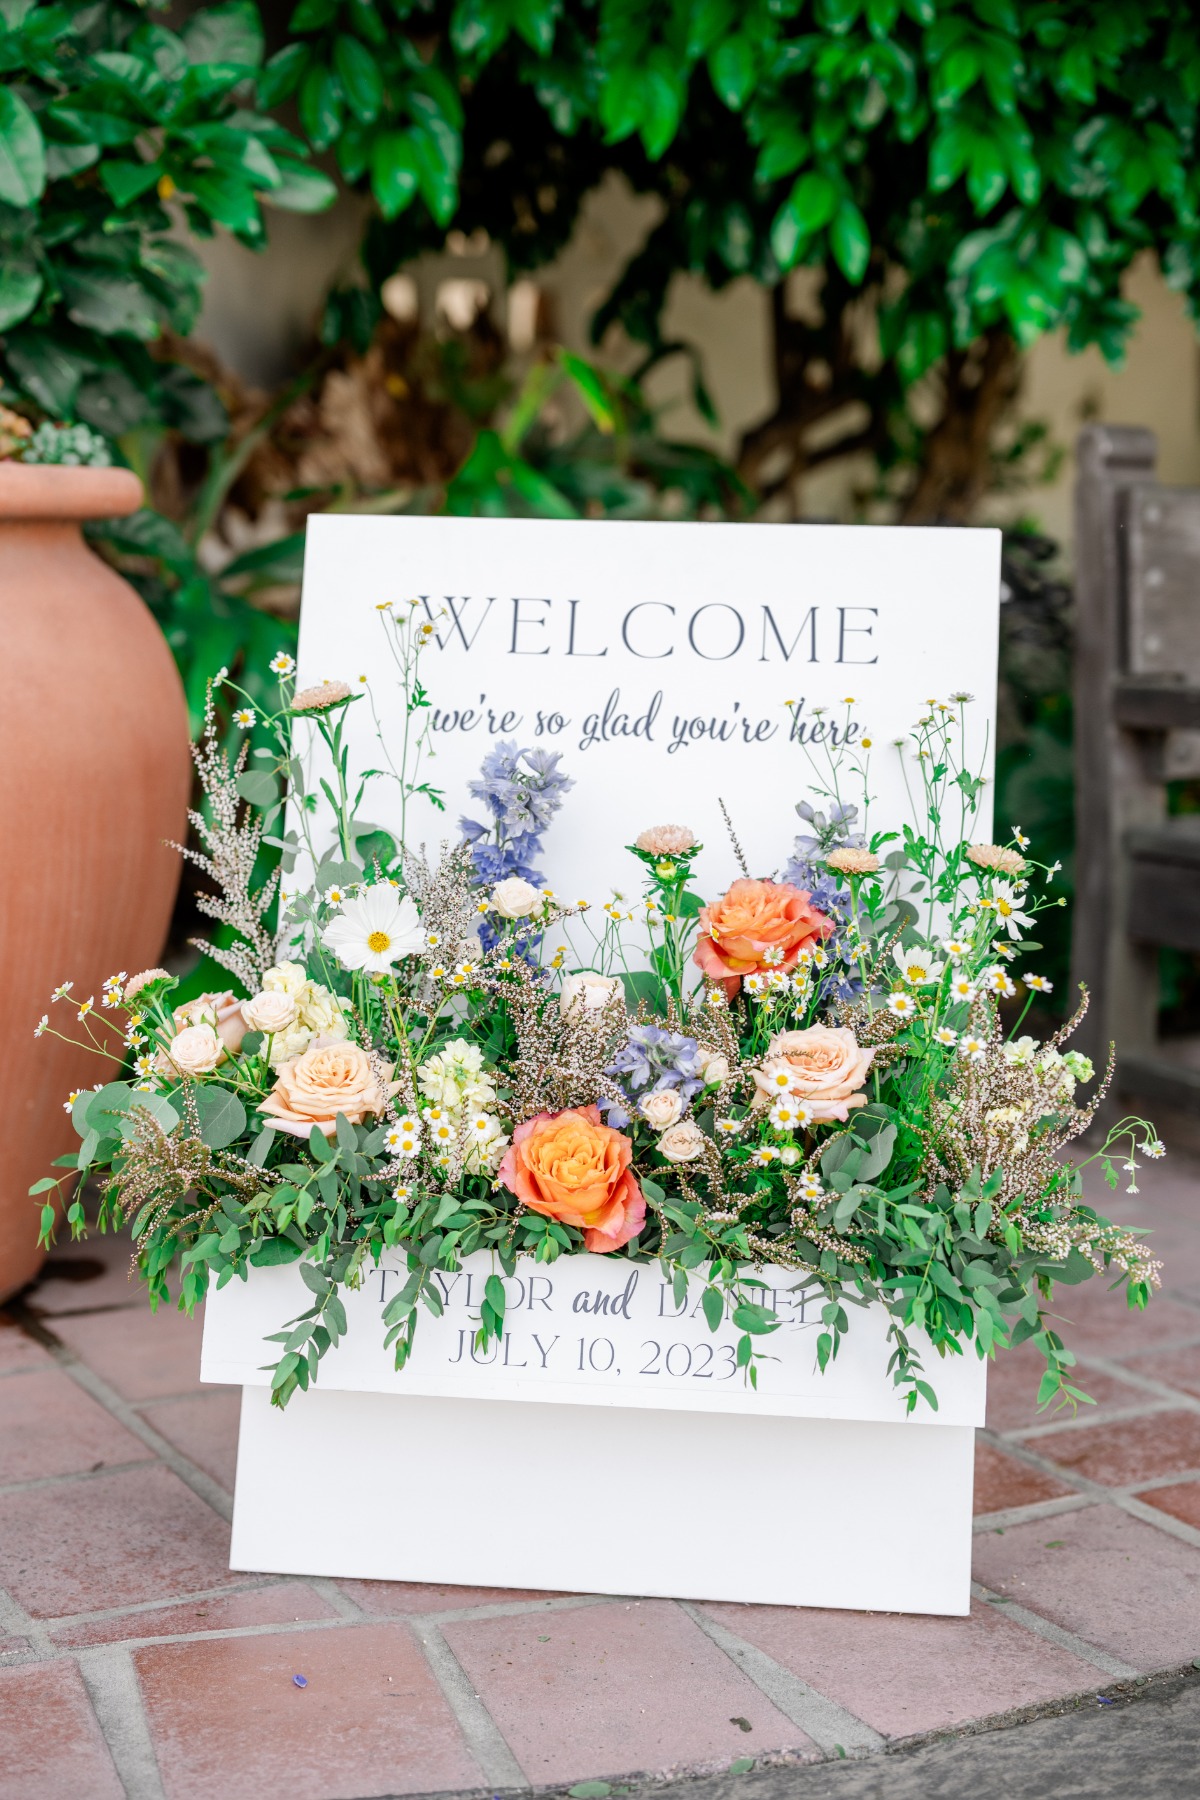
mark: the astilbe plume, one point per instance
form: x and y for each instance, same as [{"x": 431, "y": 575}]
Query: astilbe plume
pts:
[{"x": 231, "y": 836}]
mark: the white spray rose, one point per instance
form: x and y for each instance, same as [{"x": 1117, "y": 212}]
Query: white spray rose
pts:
[
  {"x": 682, "y": 1143},
  {"x": 196, "y": 1050},
  {"x": 662, "y": 1108},
  {"x": 514, "y": 898},
  {"x": 270, "y": 1012},
  {"x": 588, "y": 992}
]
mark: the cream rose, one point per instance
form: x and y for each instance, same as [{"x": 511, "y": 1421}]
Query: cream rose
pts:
[
  {"x": 823, "y": 1066},
  {"x": 682, "y": 1143},
  {"x": 196, "y": 1050},
  {"x": 662, "y": 1108},
  {"x": 330, "y": 1078},
  {"x": 222, "y": 1011},
  {"x": 712, "y": 1067},
  {"x": 514, "y": 898},
  {"x": 269, "y": 1012},
  {"x": 588, "y": 992}
]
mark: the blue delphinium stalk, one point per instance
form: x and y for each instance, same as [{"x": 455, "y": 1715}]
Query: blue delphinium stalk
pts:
[
  {"x": 653, "y": 1059},
  {"x": 808, "y": 869},
  {"x": 522, "y": 790}
]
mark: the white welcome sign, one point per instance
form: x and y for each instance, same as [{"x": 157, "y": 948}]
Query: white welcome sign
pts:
[{"x": 659, "y": 659}]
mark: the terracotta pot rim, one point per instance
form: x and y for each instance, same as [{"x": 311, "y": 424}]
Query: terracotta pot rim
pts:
[{"x": 56, "y": 491}]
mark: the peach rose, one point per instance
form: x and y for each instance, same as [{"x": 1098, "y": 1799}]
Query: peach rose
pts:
[
  {"x": 742, "y": 933},
  {"x": 570, "y": 1167},
  {"x": 331, "y": 1077},
  {"x": 222, "y": 1011},
  {"x": 822, "y": 1066}
]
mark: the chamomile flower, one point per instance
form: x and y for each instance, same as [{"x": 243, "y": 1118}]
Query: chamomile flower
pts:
[
  {"x": 1019, "y": 835},
  {"x": 403, "y": 1143},
  {"x": 820, "y": 959},
  {"x": 962, "y": 988},
  {"x": 62, "y": 990},
  {"x": 1038, "y": 983},
  {"x": 432, "y": 940},
  {"x": 956, "y": 948},
  {"x": 1007, "y": 904},
  {"x": 789, "y": 1156},
  {"x": 401, "y": 1193},
  {"x": 999, "y": 981},
  {"x": 730, "y": 1127},
  {"x": 755, "y": 985},
  {"x": 144, "y": 1086},
  {"x": 783, "y": 1116},
  {"x": 335, "y": 895},
  {"x": 810, "y": 1187},
  {"x": 773, "y": 954},
  {"x": 765, "y": 1155},
  {"x": 1156, "y": 1149},
  {"x": 903, "y": 1005},
  {"x": 505, "y": 964},
  {"x": 87, "y": 1006},
  {"x": 244, "y": 716},
  {"x": 41, "y": 1025},
  {"x": 779, "y": 1078},
  {"x": 441, "y": 1131},
  {"x": 715, "y": 998},
  {"x": 71, "y": 1098},
  {"x": 918, "y": 966},
  {"x": 458, "y": 979},
  {"x": 282, "y": 664},
  {"x": 114, "y": 989},
  {"x": 944, "y": 1035},
  {"x": 974, "y": 1049},
  {"x": 144, "y": 1065},
  {"x": 438, "y": 972}
]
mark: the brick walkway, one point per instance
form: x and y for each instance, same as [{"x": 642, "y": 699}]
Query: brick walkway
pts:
[{"x": 133, "y": 1662}]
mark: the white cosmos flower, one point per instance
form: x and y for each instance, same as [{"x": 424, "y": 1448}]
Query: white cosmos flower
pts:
[
  {"x": 374, "y": 930},
  {"x": 917, "y": 966},
  {"x": 1007, "y": 904}
]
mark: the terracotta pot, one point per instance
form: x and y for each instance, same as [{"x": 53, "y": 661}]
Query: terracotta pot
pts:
[{"x": 94, "y": 775}]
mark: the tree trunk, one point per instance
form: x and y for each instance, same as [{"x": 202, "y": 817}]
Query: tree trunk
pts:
[{"x": 956, "y": 468}]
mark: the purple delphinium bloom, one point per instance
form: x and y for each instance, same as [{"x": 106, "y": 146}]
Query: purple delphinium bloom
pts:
[
  {"x": 808, "y": 869},
  {"x": 521, "y": 791},
  {"x": 652, "y": 1059}
]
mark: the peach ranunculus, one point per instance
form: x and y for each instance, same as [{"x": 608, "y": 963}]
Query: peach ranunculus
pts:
[
  {"x": 570, "y": 1167},
  {"x": 331, "y": 1077},
  {"x": 822, "y": 1066},
  {"x": 222, "y": 1011},
  {"x": 758, "y": 925}
]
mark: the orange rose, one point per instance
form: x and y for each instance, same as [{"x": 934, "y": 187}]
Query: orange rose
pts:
[
  {"x": 743, "y": 932},
  {"x": 331, "y": 1077},
  {"x": 570, "y": 1167},
  {"x": 822, "y": 1066}
]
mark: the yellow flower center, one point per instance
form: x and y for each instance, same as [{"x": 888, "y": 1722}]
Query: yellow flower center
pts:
[
  {"x": 915, "y": 971},
  {"x": 378, "y": 942},
  {"x": 1004, "y": 909}
]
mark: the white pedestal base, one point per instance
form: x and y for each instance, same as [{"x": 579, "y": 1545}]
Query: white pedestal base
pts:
[{"x": 717, "y": 1506}]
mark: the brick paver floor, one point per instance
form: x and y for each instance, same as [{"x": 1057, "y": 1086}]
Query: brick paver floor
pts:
[{"x": 132, "y": 1660}]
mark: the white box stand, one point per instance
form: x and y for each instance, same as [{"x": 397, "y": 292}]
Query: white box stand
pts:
[{"x": 610, "y": 1445}]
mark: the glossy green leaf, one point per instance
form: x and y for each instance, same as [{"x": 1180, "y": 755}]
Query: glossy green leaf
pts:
[
  {"x": 393, "y": 171},
  {"x": 358, "y": 71},
  {"x": 22, "y": 151}
]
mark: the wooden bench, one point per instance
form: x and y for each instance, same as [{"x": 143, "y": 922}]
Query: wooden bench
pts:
[{"x": 1137, "y": 727}]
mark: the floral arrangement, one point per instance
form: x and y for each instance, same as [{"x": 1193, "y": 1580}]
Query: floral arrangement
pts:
[{"x": 822, "y": 1068}]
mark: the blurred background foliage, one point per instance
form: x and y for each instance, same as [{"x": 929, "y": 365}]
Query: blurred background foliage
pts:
[{"x": 958, "y": 177}]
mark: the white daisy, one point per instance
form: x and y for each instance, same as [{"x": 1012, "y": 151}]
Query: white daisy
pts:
[
  {"x": 962, "y": 988},
  {"x": 903, "y": 1005},
  {"x": 715, "y": 998},
  {"x": 144, "y": 1065},
  {"x": 956, "y": 948},
  {"x": 1007, "y": 903},
  {"x": 335, "y": 895},
  {"x": 765, "y": 1155},
  {"x": 730, "y": 1127},
  {"x": 41, "y": 1025},
  {"x": 773, "y": 954},
  {"x": 374, "y": 930},
  {"x": 781, "y": 1079},
  {"x": 973, "y": 1048},
  {"x": 401, "y": 1193},
  {"x": 282, "y": 664},
  {"x": 1156, "y": 1149},
  {"x": 810, "y": 1186},
  {"x": 87, "y": 1006},
  {"x": 944, "y": 1035},
  {"x": 1038, "y": 983},
  {"x": 755, "y": 984},
  {"x": 244, "y": 717},
  {"x": 917, "y": 965},
  {"x": 1022, "y": 840},
  {"x": 783, "y": 1117}
]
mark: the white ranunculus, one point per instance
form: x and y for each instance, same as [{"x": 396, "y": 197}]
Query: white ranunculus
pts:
[
  {"x": 662, "y": 1108},
  {"x": 514, "y": 898},
  {"x": 285, "y": 978},
  {"x": 374, "y": 930},
  {"x": 269, "y": 1012},
  {"x": 588, "y": 992},
  {"x": 196, "y": 1050},
  {"x": 682, "y": 1143}
]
